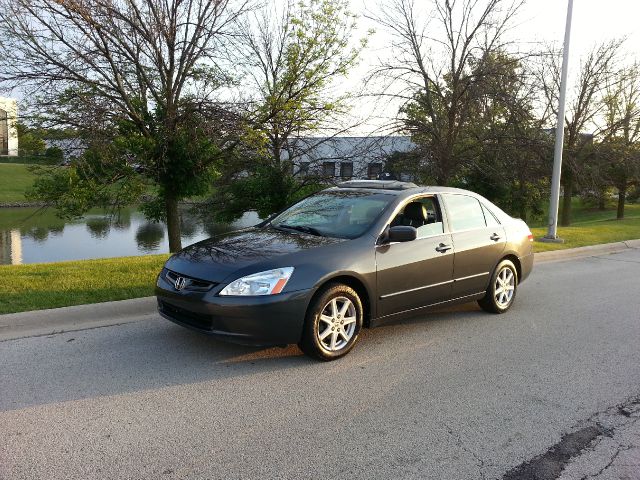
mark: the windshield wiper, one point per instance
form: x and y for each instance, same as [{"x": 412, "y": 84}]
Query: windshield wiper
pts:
[{"x": 301, "y": 228}]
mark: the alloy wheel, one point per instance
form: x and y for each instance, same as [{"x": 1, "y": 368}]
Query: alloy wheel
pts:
[
  {"x": 504, "y": 287},
  {"x": 338, "y": 317}
]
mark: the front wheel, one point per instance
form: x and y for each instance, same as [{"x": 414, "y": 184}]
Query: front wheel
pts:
[
  {"x": 333, "y": 322},
  {"x": 502, "y": 289}
]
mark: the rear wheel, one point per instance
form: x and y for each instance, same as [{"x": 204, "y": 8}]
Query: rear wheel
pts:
[
  {"x": 333, "y": 323},
  {"x": 502, "y": 289}
]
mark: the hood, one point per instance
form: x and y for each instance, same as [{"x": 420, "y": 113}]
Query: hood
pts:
[{"x": 216, "y": 258}]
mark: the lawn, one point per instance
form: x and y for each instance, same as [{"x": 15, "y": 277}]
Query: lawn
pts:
[
  {"x": 592, "y": 227},
  {"x": 51, "y": 285},
  {"x": 15, "y": 179}
]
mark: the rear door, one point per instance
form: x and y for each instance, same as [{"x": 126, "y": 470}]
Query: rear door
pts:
[
  {"x": 414, "y": 274},
  {"x": 478, "y": 241}
]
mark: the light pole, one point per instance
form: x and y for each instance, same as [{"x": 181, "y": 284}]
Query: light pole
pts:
[{"x": 552, "y": 232}]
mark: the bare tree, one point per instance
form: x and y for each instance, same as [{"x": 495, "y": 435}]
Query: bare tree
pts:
[
  {"x": 430, "y": 69},
  {"x": 584, "y": 106},
  {"x": 619, "y": 150},
  {"x": 140, "y": 65}
]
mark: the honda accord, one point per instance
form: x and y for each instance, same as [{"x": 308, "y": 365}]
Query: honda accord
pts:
[{"x": 351, "y": 256}]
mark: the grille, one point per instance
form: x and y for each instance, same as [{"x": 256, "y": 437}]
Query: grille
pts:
[{"x": 191, "y": 284}]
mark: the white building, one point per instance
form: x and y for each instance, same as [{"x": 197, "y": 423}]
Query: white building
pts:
[
  {"x": 8, "y": 130},
  {"x": 346, "y": 157}
]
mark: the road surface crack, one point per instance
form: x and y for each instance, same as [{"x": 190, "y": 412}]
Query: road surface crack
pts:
[
  {"x": 550, "y": 464},
  {"x": 480, "y": 463},
  {"x": 622, "y": 448}
]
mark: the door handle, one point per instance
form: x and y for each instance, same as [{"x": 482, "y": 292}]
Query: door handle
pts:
[
  {"x": 443, "y": 248},
  {"x": 495, "y": 237}
]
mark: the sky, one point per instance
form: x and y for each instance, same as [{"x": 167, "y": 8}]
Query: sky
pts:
[
  {"x": 539, "y": 21},
  {"x": 544, "y": 21}
]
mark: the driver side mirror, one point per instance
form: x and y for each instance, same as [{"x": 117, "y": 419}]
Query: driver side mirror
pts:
[{"x": 402, "y": 233}]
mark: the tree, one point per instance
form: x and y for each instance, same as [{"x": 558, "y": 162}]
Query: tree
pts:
[
  {"x": 136, "y": 75},
  {"x": 583, "y": 108},
  {"x": 431, "y": 70},
  {"x": 292, "y": 57},
  {"x": 30, "y": 141},
  {"x": 619, "y": 150},
  {"x": 510, "y": 150}
]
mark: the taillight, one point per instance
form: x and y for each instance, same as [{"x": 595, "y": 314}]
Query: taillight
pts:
[{"x": 530, "y": 237}]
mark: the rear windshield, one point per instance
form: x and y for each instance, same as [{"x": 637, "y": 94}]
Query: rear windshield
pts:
[{"x": 341, "y": 214}]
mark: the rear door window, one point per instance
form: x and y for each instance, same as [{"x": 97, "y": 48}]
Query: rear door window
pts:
[
  {"x": 489, "y": 217},
  {"x": 465, "y": 212}
]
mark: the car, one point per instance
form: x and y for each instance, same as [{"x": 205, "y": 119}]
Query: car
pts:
[{"x": 352, "y": 256}]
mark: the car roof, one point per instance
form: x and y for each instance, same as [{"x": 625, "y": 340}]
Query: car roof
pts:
[{"x": 396, "y": 187}]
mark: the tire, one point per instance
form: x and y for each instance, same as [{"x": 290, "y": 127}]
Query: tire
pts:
[
  {"x": 333, "y": 322},
  {"x": 497, "y": 300}
]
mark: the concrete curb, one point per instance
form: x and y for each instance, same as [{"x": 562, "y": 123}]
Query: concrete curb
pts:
[
  {"x": 82, "y": 317},
  {"x": 583, "y": 252},
  {"x": 78, "y": 317}
]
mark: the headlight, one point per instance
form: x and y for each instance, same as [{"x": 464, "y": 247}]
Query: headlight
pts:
[{"x": 263, "y": 283}]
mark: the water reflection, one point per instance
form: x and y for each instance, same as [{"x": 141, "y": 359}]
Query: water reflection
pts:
[
  {"x": 39, "y": 234},
  {"x": 10, "y": 247},
  {"x": 188, "y": 227},
  {"x": 149, "y": 236},
  {"x": 122, "y": 221},
  {"x": 98, "y": 227},
  {"x": 56, "y": 229},
  {"x": 28, "y": 235}
]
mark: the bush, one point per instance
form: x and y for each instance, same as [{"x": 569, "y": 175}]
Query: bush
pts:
[{"x": 54, "y": 155}]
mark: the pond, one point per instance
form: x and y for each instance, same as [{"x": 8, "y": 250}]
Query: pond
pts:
[{"x": 30, "y": 235}]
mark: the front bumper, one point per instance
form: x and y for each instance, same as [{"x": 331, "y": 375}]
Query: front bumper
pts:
[{"x": 264, "y": 320}]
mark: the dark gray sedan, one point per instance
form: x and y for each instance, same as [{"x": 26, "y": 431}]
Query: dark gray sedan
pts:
[{"x": 351, "y": 256}]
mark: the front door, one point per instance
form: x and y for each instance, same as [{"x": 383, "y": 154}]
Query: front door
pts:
[{"x": 418, "y": 273}]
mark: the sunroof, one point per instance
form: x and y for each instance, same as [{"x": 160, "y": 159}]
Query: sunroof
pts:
[{"x": 378, "y": 184}]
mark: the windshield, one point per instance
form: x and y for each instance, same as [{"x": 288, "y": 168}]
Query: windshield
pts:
[{"x": 342, "y": 214}]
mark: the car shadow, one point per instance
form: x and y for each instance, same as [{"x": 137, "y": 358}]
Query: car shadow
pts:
[{"x": 156, "y": 354}]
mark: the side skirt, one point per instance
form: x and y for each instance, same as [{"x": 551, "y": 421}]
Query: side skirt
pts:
[{"x": 376, "y": 322}]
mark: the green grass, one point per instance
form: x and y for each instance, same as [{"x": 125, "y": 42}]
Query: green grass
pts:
[
  {"x": 14, "y": 181},
  {"x": 51, "y": 285},
  {"x": 592, "y": 227},
  {"x": 30, "y": 160}
]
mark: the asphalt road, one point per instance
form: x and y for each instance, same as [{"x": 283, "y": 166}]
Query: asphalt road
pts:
[{"x": 454, "y": 394}]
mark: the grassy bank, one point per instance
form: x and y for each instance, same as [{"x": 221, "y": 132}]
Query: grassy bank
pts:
[
  {"x": 52, "y": 285},
  {"x": 593, "y": 227},
  {"x": 15, "y": 179}
]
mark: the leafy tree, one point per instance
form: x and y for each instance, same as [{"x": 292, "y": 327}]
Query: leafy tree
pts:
[
  {"x": 138, "y": 76},
  {"x": 510, "y": 151},
  {"x": 30, "y": 141},
  {"x": 292, "y": 57}
]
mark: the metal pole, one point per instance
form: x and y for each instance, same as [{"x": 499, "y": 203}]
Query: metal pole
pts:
[{"x": 557, "y": 157}]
